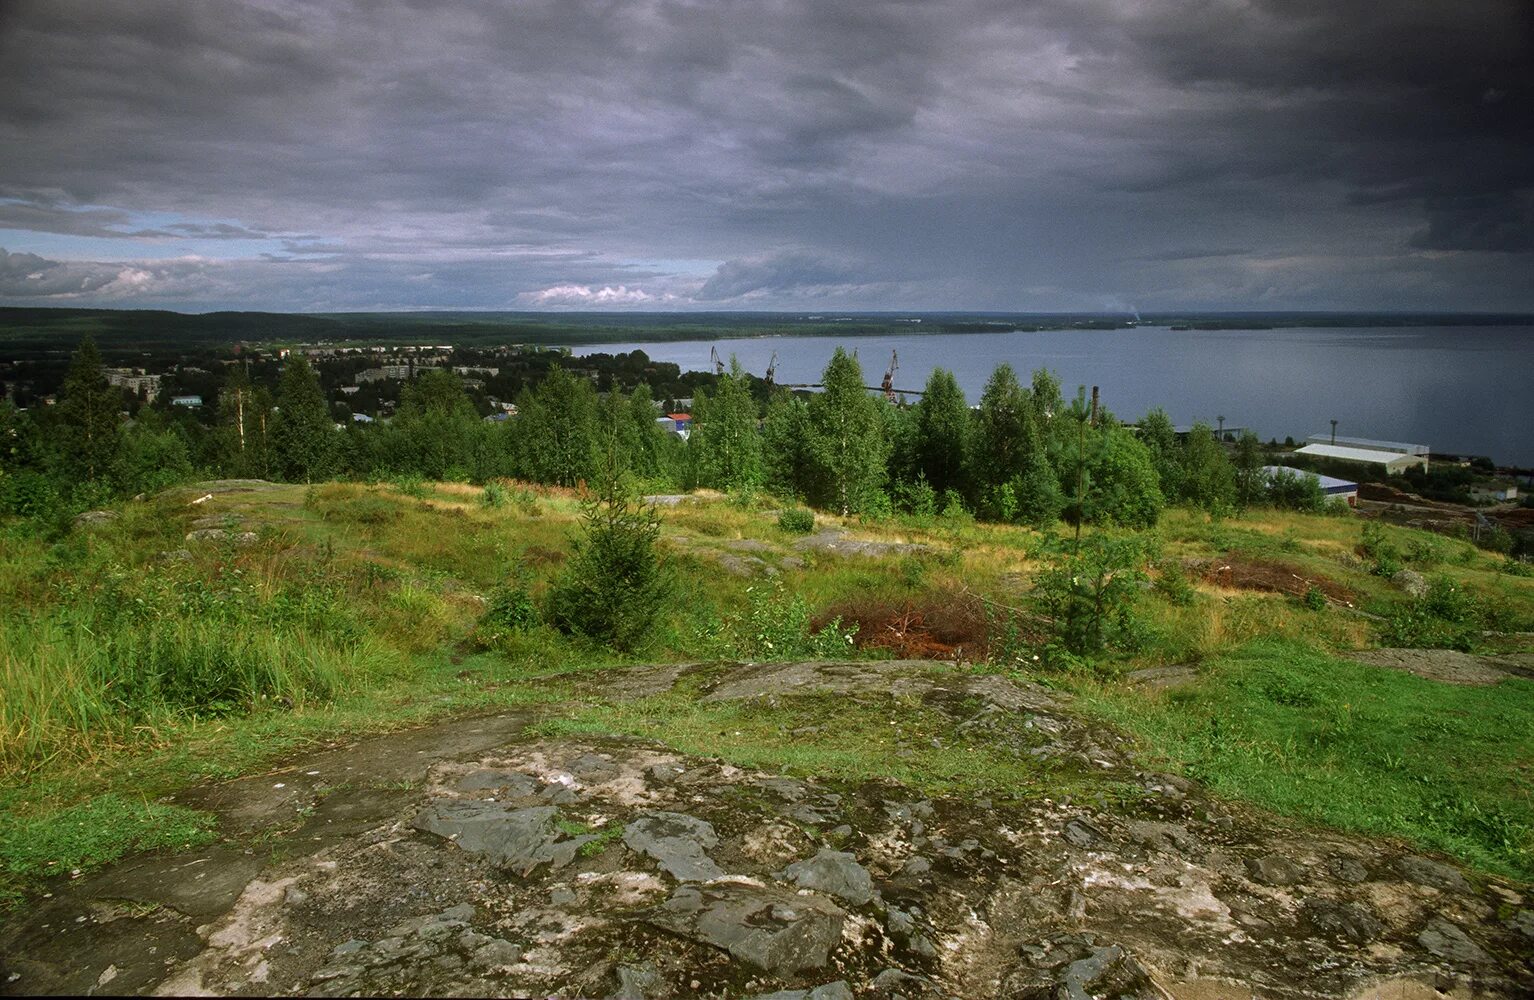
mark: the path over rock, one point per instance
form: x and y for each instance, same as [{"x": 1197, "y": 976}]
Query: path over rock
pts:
[
  {"x": 1449, "y": 665},
  {"x": 471, "y": 859}
]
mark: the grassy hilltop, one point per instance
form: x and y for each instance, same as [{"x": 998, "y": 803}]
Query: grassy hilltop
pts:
[{"x": 208, "y": 631}]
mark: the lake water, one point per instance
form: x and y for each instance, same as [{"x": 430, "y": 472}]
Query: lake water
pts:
[{"x": 1458, "y": 389}]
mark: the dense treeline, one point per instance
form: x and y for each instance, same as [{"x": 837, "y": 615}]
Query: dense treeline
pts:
[{"x": 1023, "y": 454}]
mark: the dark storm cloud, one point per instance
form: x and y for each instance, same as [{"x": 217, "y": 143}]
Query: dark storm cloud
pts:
[
  {"x": 791, "y": 272},
  {"x": 965, "y": 154},
  {"x": 1496, "y": 223}
]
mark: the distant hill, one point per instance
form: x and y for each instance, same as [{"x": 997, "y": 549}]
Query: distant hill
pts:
[{"x": 45, "y": 331}]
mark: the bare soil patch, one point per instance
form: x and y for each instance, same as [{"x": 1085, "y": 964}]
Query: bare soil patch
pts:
[
  {"x": 1236, "y": 572},
  {"x": 944, "y": 625}
]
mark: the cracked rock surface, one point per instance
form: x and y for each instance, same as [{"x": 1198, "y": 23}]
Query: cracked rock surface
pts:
[{"x": 475, "y": 859}]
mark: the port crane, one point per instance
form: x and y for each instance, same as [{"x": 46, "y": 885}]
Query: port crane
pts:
[
  {"x": 716, "y": 360},
  {"x": 887, "y": 387}
]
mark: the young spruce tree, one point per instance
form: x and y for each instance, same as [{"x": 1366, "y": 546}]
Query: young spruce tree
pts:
[
  {"x": 303, "y": 433},
  {"x": 614, "y": 586},
  {"x": 942, "y": 444},
  {"x": 90, "y": 412}
]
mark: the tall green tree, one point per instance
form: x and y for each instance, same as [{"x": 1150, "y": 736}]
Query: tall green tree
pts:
[
  {"x": 1122, "y": 484},
  {"x": 303, "y": 434},
  {"x": 941, "y": 446},
  {"x": 1251, "y": 481},
  {"x": 1044, "y": 399},
  {"x": 847, "y": 448},
  {"x": 724, "y": 443},
  {"x": 785, "y": 446},
  {"x": 90, "y": 417},
  {"x": 1160, "y": 439},
  {"x": 240, "y": 446},
  {"x": 556, "y": 430},
  {"x": 437, "y": 424},
  {"x": 153, "y": 455},
  {"x": 1208, "y": 478},
  {"x": 1005, "y": 435},
  {"x": 1037, "y": 494},
  {"x": 652, "y": 450}
]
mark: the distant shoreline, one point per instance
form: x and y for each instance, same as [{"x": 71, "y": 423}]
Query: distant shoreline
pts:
[{"x": 44, "y": 329}]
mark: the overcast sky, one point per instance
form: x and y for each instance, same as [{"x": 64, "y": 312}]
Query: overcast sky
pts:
[{"x": 768, "y": 154}]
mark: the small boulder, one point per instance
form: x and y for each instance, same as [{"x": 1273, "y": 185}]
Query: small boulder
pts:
[
  {"x": 517, "y": 839},
  {"x": 835, "y": 873},
  {"x": 95, "y": 518},
  {"x": 1272, "y": 869},
  {"x": 916, "y": 865},
  {"x": 222, "y": 535},
  {"x": 1080, "y": 833},
  {"x": 1345, "y": 920},
  {"x": 1447, "y": 941},
  {"x": 637, "y": 982},
  {"x": 1410, "y": 581},
  {"x": 1349, "y": 870},
  {"x": 780, "y": 932},
  {"x": 1425, "y": 871},
  {"x": 677, "y": 842}
]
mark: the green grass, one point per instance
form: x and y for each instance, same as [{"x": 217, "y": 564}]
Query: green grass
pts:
[
  {"x": 129, "y": 669},
  {"x": 1356, "y": 747},
  {"x": 177, "y": 751},
  {"x": 89, "y": 834},
  {"x": 841, "y": 739}
]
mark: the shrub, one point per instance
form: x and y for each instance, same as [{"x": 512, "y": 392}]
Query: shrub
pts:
[
  {"x": 1314, "y": 599},
  {"x": 1379, "y": 549},
  {"x": 777, "y": 627},
  {"x": 1296, "y": 490},
  {"x": 411, "y": 484},
  {"x": 1496, "y": 539},
  {"x": 954, "y": 510},
  {"x": 1446, "y": 617},
  {"x": 913, "y": 572},
  {"x": 797, "y": 520},
  {"x": 510, "y": 610},
  {"x": 28, "y": 494},
  {"x": 1172, "y": 583},
  {"x": 495, "y": 496},
  {"x": 917, "y": 497},
  {"x": 876, "y": 506}
]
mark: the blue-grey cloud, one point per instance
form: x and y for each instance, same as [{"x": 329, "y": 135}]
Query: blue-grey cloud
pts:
[{"x": 955, "y": 154}]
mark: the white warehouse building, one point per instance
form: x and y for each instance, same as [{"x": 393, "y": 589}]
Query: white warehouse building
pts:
[{"x": 1391, "y": 457}]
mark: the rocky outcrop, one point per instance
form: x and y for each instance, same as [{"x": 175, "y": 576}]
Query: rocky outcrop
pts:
[
  {"x": 779, "y": 932},
  {"x": 517, "y": 839},
  {"x": 498, "y": 863}
]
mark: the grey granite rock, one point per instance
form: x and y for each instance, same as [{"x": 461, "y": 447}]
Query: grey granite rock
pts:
[
  {"x": 777, "y": 931},
  {"x": 835, "y": 873},
  {"x": 518, "y": 839},
  {"x": 677, "y": 842}
]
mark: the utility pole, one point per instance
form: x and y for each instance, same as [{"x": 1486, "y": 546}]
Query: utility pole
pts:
[{"x": 1334, "y": 432}]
